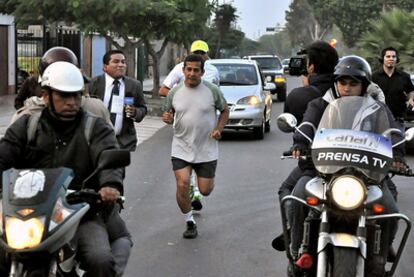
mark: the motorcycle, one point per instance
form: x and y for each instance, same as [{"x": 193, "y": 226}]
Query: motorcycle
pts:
[
  {"x": 352, "y": 153},
  {"x": 39, "y": 217}
]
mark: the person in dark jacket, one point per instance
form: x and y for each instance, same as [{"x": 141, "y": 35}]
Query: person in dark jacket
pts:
[
  {"x": 321, "y": 61},
  {"x": 396, "y": 84},
  {"x": 352, "y": 78},
  {"x": 59, "y": 140},
  {"x": 29, "y": 88},
  {"x": 122, "y": 96}
]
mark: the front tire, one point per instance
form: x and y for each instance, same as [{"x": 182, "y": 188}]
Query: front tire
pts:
[
  {"x": 258, "y": 132},
  {"x": 344, "y": 262}
]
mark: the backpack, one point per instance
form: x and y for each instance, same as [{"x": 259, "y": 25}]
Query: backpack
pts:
[{"x": 34, "y": 122}]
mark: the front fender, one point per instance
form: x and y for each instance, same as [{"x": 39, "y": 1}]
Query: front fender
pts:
[{"x": 342, "y": 240}]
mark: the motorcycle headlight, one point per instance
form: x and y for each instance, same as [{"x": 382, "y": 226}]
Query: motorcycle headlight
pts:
[
  {"x": 60, "y": 213},
  {"x": 22, "y": 234},
  {"x": 348, "y": 192},
  {"x": 249, "y": 100}
]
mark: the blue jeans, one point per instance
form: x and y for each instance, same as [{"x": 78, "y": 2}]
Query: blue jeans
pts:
[{"x": 104, "y": 244}]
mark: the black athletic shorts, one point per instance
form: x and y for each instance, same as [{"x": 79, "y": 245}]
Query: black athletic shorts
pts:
[{"x": 205, "y": 170}]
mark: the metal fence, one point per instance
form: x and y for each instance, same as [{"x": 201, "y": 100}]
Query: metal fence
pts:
[{"x": 33, "y": 41}]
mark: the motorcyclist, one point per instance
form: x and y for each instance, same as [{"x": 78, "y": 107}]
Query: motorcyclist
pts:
[
  {"x": 352, "y": 78},
  {"x": 35, "y": 104},
  {"x": 59, "y": 140}
]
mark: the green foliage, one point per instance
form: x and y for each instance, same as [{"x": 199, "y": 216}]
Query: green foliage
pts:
[
  {"x": 276, "y": 44},
  {"x": 225, "y": 15},
  {"x": 352, "y": 17},
  {"x": 298, "y": 18},
  {"x": 391, "y": 29}
]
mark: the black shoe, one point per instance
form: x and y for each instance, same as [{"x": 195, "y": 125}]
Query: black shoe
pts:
[
  {"x": 191, "y": 232},
  {"x": 278, "y": 243},
  {"x": 196, "y": 204}
]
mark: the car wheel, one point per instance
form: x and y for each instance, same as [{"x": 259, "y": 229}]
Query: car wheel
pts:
[
  {"x": 258, "y": 132},
  {"x": 267, "y": 126}
]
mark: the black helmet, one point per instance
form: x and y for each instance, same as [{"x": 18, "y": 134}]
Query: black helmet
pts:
[
  {"x": 353, "y": 66},
  {"x": 57, "y": 54}
]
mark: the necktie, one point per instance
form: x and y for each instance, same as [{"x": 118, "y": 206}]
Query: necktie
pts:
[{"x": 115, "y": 91}]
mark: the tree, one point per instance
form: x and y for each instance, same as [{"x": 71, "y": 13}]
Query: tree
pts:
[
  {"x": 389, "y": 30},
  {"x": 225, "y": 15},
  {"x": 301, "y": 24},
  {"x": 352, "y": 17},
  {"x": 127, "y": 24},
  {"x": 276, "y": 44}
]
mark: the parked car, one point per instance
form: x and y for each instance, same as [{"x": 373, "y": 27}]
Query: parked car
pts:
[
  {"x": 272, "y": 69},
  {"x": 285, "y": 65},
  {"x": 247, "y": 94}
]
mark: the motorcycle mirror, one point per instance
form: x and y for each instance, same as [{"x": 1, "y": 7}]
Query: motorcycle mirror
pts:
[
  {"x": 409, "y": 134},
  {"x": 110, "y": 158},
  {"x": 114, "y": 158},
  {"x": 286, "y": 122}
]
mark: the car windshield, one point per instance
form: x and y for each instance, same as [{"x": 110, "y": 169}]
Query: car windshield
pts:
[
  {"x": 268, "y": 63},
  {"x": 350, "y": 134},
  {"x": 237, "y": 74},
  {"x": 285, "y": 62}
]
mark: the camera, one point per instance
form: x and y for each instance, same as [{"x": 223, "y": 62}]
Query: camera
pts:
[{"x": 298, "y": 66}]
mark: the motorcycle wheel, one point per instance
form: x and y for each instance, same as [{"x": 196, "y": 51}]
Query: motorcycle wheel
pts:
[{"x": 344, "y": 262}]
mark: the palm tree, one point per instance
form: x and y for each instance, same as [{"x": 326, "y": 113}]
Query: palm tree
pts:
[
  {"x": 392, "y": 29},
  {"x": 225, "y": 16}
]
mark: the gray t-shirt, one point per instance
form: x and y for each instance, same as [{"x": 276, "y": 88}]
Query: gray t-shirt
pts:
[{"x": 194, "y": 119}]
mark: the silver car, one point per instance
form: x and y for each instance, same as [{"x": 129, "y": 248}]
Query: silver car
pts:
[{"x": 247, "y": 94}]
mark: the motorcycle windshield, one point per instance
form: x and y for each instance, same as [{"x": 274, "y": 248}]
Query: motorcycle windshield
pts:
[{"x": 350, "y": 135}]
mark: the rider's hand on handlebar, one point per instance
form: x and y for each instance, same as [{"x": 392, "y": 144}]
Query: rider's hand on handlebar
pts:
[
  {"x": 297, "y": 151},
  {"x": 109, "y": 194},
  {"x": 398, "y": 164}
]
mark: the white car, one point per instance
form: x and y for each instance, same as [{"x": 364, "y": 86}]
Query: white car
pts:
[{"x": 247, "y": 95}]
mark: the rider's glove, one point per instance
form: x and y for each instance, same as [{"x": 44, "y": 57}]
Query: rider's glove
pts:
[{"x": 399, "y": 164}]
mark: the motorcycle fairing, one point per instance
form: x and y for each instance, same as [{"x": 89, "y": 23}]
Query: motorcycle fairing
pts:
[
  {"x": 42, "y": 201},
  {"x": 335, "y": 149}
]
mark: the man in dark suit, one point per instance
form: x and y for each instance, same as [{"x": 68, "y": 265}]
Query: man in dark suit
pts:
[{"x": 122, "y": 96}]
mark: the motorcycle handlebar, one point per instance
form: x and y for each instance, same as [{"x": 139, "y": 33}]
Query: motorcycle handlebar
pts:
[
  {"x": 89, "y": 196},
  {"x": 407, "y": 173}
]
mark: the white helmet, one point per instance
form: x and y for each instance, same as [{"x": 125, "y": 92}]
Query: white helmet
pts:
[{"x": 63, "y": 77}]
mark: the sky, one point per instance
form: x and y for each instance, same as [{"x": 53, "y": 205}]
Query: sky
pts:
[{"x": 256, "y": 15}]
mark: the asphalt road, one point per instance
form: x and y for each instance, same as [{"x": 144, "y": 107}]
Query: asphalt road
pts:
[{"x": 239, "y": 219}]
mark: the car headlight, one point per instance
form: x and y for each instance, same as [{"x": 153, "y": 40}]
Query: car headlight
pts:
[
  {"x": 348, "y": 192},
  {"x": 249, "y": 100},
  {"x": 268, "y": 78},
  {"x": 280, "y": 79},
  {"x": 22, "y": 234},
  {"x": 60, "y": 213}
]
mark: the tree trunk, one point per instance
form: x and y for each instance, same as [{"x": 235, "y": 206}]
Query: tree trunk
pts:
[{"x": 156, "y": 56}]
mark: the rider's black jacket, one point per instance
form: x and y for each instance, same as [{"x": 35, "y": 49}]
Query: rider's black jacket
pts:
[
  {"x": 61, "y": 143},
  {"x": 314, "y": 114},
  {"x": 298, "y": 98}
]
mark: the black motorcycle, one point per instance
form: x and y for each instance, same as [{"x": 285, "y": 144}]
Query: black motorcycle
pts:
[
  {"x": 352, "y": 153},
  {"x": 39, "y": 217}
]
